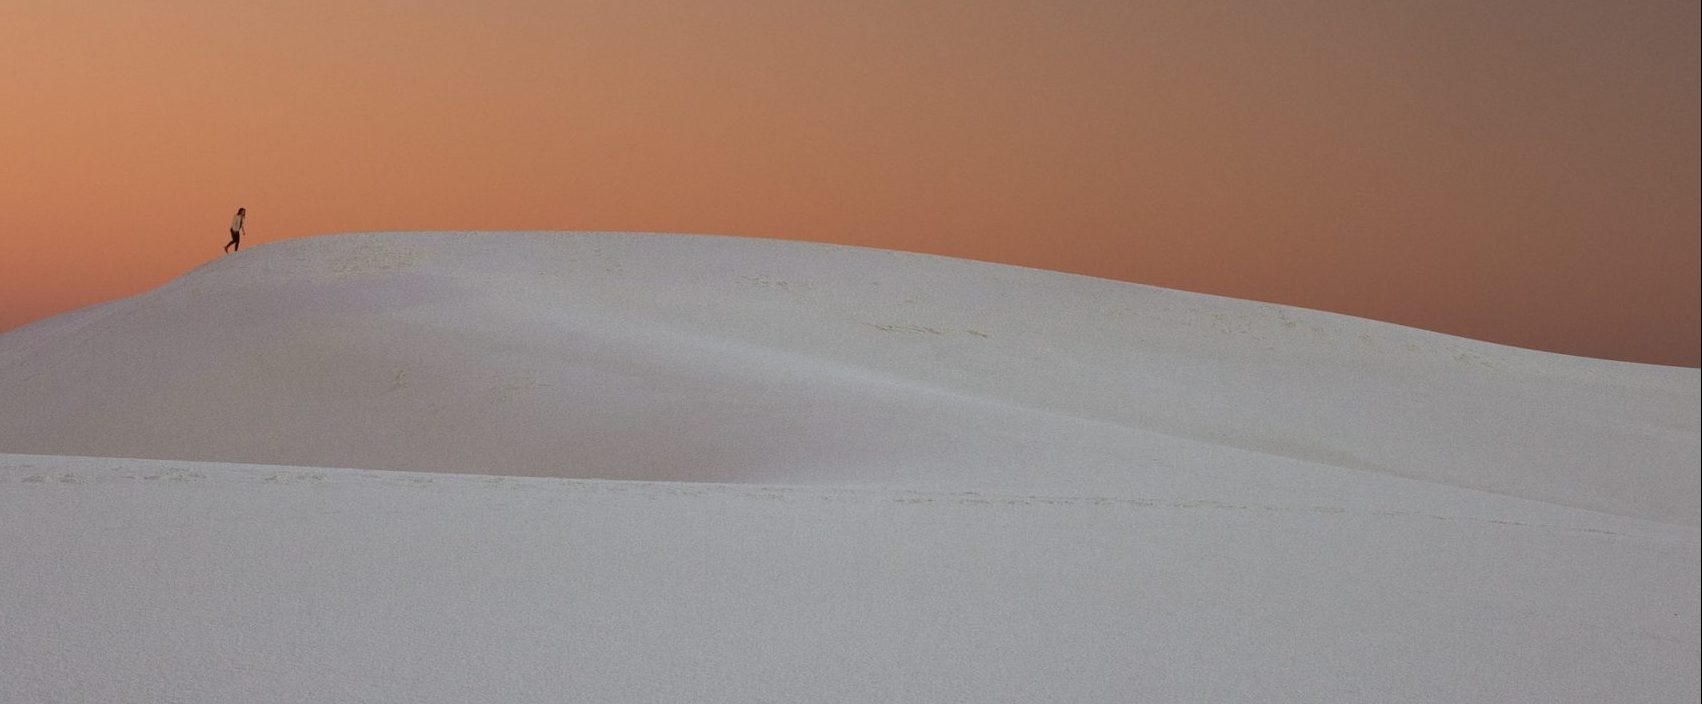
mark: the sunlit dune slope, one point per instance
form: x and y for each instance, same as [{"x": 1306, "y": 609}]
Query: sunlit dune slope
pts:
[{"x": 692, "y": 358}]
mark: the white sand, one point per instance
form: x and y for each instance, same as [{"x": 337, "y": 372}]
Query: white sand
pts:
[{"x": 934, "y": 480}]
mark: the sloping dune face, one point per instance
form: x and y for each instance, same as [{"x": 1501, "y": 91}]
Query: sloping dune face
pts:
[{"x": 689, "y": 358}]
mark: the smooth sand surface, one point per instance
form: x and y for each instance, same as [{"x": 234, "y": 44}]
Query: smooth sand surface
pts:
[{"x": 602, "y": 467}]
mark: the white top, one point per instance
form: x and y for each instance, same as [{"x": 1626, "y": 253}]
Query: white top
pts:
[{"x": 236, "y": 222}]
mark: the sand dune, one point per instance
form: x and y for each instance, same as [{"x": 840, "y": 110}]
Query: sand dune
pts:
[
  {"x": 773, "y": 471},
  {"x": 725, "y": 359}
]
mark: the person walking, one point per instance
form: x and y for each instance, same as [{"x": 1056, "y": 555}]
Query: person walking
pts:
[{"x": 236, "y": 230}]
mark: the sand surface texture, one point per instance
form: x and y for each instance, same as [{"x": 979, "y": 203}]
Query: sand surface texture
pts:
[{"x": 423, "y": 467}]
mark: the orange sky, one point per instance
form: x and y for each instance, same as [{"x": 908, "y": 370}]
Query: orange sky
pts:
[{"x": 1521, "y": 171}]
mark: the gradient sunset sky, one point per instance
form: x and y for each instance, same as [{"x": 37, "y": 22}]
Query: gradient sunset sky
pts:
[{"x": 1519, "y": 171}]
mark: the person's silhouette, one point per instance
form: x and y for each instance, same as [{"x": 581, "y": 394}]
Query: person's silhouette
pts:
[{"x": 236, "y": 230}]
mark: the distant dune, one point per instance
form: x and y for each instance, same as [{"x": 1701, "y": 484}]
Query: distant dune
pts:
[
  {"x": 450, "y": 467},
  {"x": 725, "y": 359}
]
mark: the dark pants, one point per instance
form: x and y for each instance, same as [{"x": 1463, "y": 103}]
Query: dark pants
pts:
[{"x": 235, "y": 240}]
